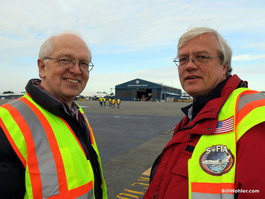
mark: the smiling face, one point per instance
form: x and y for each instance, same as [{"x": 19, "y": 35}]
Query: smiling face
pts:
[
  {"x": 63, "y": 83},
  {"x": 201, "y": 78}
]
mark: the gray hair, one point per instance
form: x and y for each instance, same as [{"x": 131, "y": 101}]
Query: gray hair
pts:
[
  {"x": 225, "y": 52},
  {"x": 46, "y": 48}
]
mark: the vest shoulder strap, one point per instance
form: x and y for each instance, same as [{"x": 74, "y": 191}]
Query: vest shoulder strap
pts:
[{"x": 250, "y": 111}]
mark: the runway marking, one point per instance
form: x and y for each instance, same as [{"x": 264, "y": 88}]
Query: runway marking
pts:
[
  {"x": 137, "y": 188},
  {"x": 83, "y": 106},
  {"x": 131, "y": 117},
  {"x": 147, "y": 172}
]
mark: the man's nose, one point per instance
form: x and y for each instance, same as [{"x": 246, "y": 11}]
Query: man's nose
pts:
[
  {"x": 191, "y": 63},
  {"x": 76, "y": 68}
]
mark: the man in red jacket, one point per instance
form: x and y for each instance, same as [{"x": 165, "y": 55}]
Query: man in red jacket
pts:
[{"x": 216, "y": 150}]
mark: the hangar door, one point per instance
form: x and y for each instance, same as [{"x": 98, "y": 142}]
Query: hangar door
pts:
[{"x": 144, "y": 94}]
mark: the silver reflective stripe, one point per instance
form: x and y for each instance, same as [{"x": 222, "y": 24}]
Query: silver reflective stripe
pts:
[
  {"x": 196, "y": 195},
  {"x": 46, "y": 163},
  {"x": 88, "y": 195},
  {"x": 245, "y": 99}
]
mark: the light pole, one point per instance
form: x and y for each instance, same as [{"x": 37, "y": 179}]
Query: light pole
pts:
[{"x": 111, "y": 93}]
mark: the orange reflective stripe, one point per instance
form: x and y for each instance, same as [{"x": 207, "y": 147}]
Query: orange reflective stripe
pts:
[
  {"x": 81, "y": 190},
  {"x": 214, "y": 188},
  {"x": 53, "y": 144},
  {"x": 14, "y": 146},
  {"x": 248, "y": 108},
  {"x": 248, "y": 92},
  {"x": 243, "y": 93},
  {"x": 91, "y": 135},
  {"x": 74, "y": 193},
  {"x": 35, "y": 181}
]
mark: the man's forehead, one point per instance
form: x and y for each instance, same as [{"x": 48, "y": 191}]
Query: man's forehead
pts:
[
  {"x": 71, "y": 53},
  {"x": 70, "y": 45},
  {"x": 195, "y": 52}
]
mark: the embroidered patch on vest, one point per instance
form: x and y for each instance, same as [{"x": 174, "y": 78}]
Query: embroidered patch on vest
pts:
[
  {"x": 225, "y": 126},
  {"x": 217, "y": 160}
]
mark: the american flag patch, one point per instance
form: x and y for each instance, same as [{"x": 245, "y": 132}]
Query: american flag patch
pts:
[{"x": 225, "y": 126}]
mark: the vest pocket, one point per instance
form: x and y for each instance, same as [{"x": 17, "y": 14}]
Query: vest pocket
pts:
[{"x": 181, "y": 165}]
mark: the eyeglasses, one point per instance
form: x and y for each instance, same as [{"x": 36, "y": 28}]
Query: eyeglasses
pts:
[
  {"x": 69, "y": 63},
  {"x": 196, "y": 60}
]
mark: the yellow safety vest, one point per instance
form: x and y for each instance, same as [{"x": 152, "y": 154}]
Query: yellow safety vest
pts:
[
  {"x": 211, "y": 169},
  {"x": 55, "y": 163}
]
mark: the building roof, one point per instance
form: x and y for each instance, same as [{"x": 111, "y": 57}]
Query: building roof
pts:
[{"x": 140, "y": 83}]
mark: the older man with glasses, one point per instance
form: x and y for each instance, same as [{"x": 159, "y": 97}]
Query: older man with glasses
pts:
[
  {"x": 214, "y": 149},
  {"x": 47, "y": 147}
]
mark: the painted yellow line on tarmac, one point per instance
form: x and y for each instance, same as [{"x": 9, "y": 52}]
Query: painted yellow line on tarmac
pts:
[
  {"x": 147, "y": 172},
  {"x": 137, "y": 188},
  {"x": 136, "y": 192}
]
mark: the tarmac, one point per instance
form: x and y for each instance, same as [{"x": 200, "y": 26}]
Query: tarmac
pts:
[{"x": 129, "y": 139}]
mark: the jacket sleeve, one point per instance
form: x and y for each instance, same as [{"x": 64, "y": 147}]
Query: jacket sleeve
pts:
[
  {"x": 250, "y": 175},
  {"x": 12, "y": 171}
]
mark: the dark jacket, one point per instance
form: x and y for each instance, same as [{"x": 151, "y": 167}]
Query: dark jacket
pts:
[
  {"x": 170, "y": 172},
  {"x": 12, "y": 171}
]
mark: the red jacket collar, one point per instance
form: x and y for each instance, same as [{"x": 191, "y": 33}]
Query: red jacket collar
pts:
[{"x": 207, "y": 117}]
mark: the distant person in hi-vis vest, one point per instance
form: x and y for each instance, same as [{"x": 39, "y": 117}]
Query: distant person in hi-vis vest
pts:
[
  {"x": 217, "y": 149},
  {"x": 47, "y": 147}
]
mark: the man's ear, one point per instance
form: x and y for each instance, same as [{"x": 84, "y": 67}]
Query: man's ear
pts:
[
  {"x": 225, "y": 69},
  {"x": 41, "y": 66}
]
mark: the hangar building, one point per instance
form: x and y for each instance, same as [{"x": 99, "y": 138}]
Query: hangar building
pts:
[{"x": 139, "y": 89}]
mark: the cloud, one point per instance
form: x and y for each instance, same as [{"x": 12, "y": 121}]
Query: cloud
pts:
[
  {"x": 122, "y": 29},
  {"x": 253, "y": 72},
  {"x": 248, "y": 57},
  {"x": 125, "y": 24},
  {"x": 258, "y": 45}
]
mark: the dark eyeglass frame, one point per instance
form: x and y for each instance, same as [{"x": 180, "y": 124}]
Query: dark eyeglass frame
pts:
[
  {"x": 69, "y": 63},
  {"x": 196, "y": 60}
]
